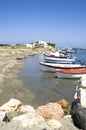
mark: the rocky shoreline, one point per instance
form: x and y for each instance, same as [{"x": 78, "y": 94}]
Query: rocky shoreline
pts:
[{"x": 15, "y": 114}]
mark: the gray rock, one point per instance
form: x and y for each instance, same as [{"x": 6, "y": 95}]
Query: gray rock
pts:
[
  {"x": 3, "y": 116},
  {"x": 67, "y": 123},
  {"x": 79, "y": 117},
  {"x": 24, "y": 122}
]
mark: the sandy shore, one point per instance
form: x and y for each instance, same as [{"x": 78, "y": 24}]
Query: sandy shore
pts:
[{"x": 11, "y": 62}]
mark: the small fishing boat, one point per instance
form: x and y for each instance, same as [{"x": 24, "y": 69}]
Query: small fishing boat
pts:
[
  {"x": 69, "y": 50},
  {"x": 56, "y": 54},
  {"x": 59, "y": 60},
  {"x": 71, "y": 73},
  {"x": 53, "y": 66}
]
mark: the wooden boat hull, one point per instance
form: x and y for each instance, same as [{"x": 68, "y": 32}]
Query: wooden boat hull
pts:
[{"x": 73, "y": 73}]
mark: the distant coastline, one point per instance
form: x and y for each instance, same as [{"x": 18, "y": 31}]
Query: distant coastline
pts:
[{"x": 81, "y": 48}]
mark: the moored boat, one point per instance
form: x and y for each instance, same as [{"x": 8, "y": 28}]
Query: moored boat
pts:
[
  {"x": 71, "y": 73},
  {"x": 53, "y": 66},
  {"x": 58, "y": 60},
  {"x": 57, "y": 54}
]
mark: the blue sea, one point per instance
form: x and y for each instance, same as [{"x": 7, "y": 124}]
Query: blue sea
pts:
[{"x": 45, "y": 86}]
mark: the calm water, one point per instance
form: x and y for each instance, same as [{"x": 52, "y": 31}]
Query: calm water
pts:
[{"x": 44, "y": 85}]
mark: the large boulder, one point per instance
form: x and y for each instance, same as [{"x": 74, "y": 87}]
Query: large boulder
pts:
[
  {"x": 25, "y": 109},
  {"x": 82, "y": 97},
  {"x": 83, "y": 81},
  {"x": 80, "y": 93},
  {"x": 64, "y": 104},
  {"x": 67, "y": 123},
  {"x": 11, "y": 108},
  {"x": 51, "y": 110},
  {"x": 32, "y": 121},
  {"x": 79, "y": 105},
  {"x": 54, "y": 124},
  {"x": 11, "y": 105},
  {"x": 79, "y": 117}
]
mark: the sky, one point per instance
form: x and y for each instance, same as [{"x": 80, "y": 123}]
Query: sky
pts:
[{"x": 62, "y": 22}]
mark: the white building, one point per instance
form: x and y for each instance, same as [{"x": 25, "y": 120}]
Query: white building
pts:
[
  {"x": 42, "y": 43},
  {"x": 30, "y": 45}
]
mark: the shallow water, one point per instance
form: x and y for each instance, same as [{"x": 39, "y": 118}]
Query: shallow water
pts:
[{"x": 44, "y": 85}]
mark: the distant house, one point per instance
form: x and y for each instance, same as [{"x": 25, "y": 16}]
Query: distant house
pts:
[
  {"x": 44, "y": 44},
  {"x": 30, "y": 45},
  {"x": 37, "y": 44}
]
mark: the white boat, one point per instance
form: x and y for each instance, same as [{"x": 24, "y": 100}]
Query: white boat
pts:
[
  {"x": 53, "y": 66},
  {"x": 71, "y": 73},
  {"x": 59, "y": 60},
  {"x": 57, "y": 54},
  {"x": 69, "y": 50}
]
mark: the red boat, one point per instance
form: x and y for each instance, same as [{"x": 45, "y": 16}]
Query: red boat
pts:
[{"x": 71, "y": 73}]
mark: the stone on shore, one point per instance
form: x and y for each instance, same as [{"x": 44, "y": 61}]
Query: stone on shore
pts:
[
  {"x": 32, "y": 121},
  {"x": 83, "y": 81},
  {"x": 82, "y": 97},
  {"x": 3, "y": 116},
  {"x": 80, "y": 94},
  {"x": 11, "y": 106},
  {"x": 67, "y": 123},
  {"x": 64, "y": 104},
  {"x": 51, "y": 110},
  {"x": 24, "y": 117},
  {"x": 79, "y": 105},
  {"x": 25, "y": 109},
  {"x": 79, "y": 117},
  {"x": 55, "y": 124}
]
